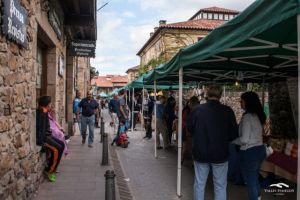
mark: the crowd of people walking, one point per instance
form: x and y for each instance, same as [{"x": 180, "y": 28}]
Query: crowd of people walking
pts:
[{"x": 207, "y": 131}]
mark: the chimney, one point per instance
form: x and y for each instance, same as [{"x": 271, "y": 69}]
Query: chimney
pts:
[
  {"x": 151, "y": 34},
  {"x": 162, "y": 22}
]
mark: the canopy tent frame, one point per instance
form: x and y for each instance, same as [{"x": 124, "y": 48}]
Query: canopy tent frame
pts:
[
  {"x": 285, "y": 55},
  {"x": 298, "y": 36}
]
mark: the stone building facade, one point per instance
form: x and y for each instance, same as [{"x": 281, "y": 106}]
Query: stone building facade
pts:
[
  {"x": 133, "y": 73},
  {"x": 42, "y": 67},
  {"x": 167, "y": 39}
]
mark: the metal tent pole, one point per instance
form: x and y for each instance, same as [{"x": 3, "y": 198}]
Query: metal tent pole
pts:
[
  {"x": 132, "y": 110},
  {"x": 128, "y": 106},
  {"x": 142, "y": 120},
  {"x": 126, "y": 97},
  {"x": 224, "y": 94},
  {"x": 298, "y": 33},
  {"x": 155, "y": 142},
  {"x": 179, "y": 133}
]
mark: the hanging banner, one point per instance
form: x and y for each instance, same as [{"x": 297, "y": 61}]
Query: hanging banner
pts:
[
  {"x": 14, "y": 20},
  {"x": 82, "y": 48}
]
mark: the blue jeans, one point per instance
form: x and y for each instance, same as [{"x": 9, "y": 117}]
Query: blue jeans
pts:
[
  {"x": 251, "y": 160},
  {"x": 88, "y": 121},
  {"x": 219, "y": 178}
]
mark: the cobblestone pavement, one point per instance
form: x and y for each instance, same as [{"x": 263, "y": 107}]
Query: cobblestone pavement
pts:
[
  {"x": 80, "y": 176},
  {"x": 156, "y": 179}
]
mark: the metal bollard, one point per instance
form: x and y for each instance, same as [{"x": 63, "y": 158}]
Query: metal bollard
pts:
[
  {"x": 102, "y": 129},
  {"x": 105, "y": 150},
  {"x": 110, "y": 193}
]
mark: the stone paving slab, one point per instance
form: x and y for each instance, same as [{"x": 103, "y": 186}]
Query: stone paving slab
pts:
[
  {"x": 80, "y": 176},
  {"x": 153, "y": 178}
]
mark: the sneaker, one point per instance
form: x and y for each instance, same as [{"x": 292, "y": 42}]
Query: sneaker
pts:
[
  {"x": 90, "y": 145},
  {"x": 83, "y": 139},
  {"x": 159, "y": 147},
  {"x": 51, "y": 176}
]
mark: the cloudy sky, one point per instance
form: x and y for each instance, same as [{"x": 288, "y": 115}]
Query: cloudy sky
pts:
[{"x": 124, "y": 27}]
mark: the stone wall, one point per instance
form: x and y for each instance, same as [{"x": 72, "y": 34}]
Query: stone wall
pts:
[
  {"x": 20, "y": 160},
  {"x": 83, "y": 81},
  {"x": 168, "y": 42},
  {"x": 231, "y": 99}
]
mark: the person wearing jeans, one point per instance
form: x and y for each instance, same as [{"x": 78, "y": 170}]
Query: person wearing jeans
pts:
[
  {"x": 219, "y": 179},
  {"x": 250, "y": 140},
  {"x": 89, "y": 107},
  {"x": 88, "y": 122},
  {"x": 251, "y": 161},
  {"x": 212, "y": 127}
]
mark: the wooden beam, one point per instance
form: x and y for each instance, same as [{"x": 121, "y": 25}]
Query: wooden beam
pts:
[{"x": 79, "y": 20}]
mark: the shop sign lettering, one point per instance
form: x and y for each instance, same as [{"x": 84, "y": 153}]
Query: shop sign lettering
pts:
[
  {"x": 14, "y": 20},
  {"x": 82, "y": 48}
]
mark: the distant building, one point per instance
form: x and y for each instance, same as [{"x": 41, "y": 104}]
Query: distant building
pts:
[
  {"x": 108, "y": 83},
  {"x": 167, "y": 39},
  {"x": 133, "y": 73}
]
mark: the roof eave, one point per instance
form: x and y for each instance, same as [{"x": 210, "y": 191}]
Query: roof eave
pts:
[{"x": 164, "y": 27}]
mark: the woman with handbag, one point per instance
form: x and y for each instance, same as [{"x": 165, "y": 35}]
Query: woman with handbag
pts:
[{"x": 252, "y": 149}]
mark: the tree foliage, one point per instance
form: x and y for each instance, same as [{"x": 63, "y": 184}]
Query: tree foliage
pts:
[{"x": 93, "y": 72}]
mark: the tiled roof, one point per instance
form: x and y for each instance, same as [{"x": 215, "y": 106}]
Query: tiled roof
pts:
[
  {"x": 135, "y": 68},
  {"x": 109, "y": 81},
  {"x": 119, "y": 79},
  {"x": 219, "y": 10},
  {"x": 200, "y": 24},
  {"x": 216, "y": 10}
]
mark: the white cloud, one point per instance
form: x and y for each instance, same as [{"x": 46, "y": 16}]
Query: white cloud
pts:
[
  {"x": 139, "y": 35},
  {"x": 123, "y": 30},
  {"x": 128, "y": 14}
]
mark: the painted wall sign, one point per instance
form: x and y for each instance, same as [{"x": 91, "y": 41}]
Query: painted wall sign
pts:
[
  {"x": 14, "y": 20},
  {"x": 82, "y": 48}
]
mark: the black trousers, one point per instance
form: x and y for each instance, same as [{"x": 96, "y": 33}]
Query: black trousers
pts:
[
  {"x": 148, "y": 125},
  {"x": 55, "y": 148}
]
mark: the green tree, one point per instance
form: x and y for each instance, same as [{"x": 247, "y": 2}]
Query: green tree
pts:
[{"x": 93, "y": 72}]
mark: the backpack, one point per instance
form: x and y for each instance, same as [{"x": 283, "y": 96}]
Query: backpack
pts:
[{"x": 122, "y": 140}]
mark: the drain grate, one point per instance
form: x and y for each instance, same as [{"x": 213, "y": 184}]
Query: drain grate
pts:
[{"x": 122, "y": 184}]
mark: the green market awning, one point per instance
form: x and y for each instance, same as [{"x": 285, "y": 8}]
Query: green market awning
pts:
[
  {"x": 260, "y": 44},
  {"x": 165, "y": 85},
  {"x": 102, "y": 94}
]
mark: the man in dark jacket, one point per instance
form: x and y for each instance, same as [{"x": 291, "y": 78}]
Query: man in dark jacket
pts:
[
  {"x": 90, "y": 108},
  {"x": 148, "y": 110},
  {"x": 212, "y": 126},
  {"x": 113, "y": 107},
  {"x": 45, "y": 139}
]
